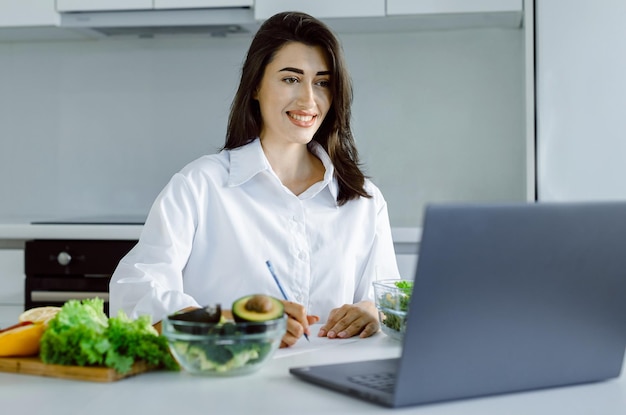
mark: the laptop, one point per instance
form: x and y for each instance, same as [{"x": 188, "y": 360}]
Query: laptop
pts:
[{"x": 506, "y": 298}]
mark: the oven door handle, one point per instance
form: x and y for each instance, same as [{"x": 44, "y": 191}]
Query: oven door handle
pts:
[{"x": 62, "y": 296}]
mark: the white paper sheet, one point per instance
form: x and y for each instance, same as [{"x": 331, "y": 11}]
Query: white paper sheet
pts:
[{"x": 314, "y": 343}]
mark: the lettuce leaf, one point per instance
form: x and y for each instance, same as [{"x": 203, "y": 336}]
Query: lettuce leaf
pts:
[{"x": 81, "y": 334}]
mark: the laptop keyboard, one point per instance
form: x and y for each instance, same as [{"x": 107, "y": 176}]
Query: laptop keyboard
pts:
[{"x": 380, "y": 381}]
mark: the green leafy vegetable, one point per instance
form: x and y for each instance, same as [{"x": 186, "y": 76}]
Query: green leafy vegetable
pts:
[
  {"x": 405, "y": 286},
  {"x": 76, "y": 335},
  {"x": 81, "y": 334},
  {"x": 394, "y": 306},
  {"x": 222, "y": 357}
]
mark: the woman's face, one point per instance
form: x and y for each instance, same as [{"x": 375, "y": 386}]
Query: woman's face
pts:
[{"x": 294, "y": 94}]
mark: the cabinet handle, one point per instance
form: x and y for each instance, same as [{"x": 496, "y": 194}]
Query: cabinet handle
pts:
[{"x": 64, "y": 258}]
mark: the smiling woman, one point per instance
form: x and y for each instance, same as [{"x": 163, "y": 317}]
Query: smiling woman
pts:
[
  {"x": 286, "y": 187},
  {"x": 293, "y": 103},
  {"x": 297, "y": 40}
]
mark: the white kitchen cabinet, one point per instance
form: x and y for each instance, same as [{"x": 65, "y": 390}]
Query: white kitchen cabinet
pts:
[
  {"x": 96, "y": 5},
  {"x": 110, "y": 5},
  {"x": 321, "y": 8},
  {"x": 199, "y": 4},
  {"x": 20, "y": 13},
  {"x": 11, "y": 285},
  {"x": 404, "y": 7},
  {"x": 581, "y": 96}
]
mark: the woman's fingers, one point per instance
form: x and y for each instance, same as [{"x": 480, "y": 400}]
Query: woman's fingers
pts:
[
  {"x": 351, "y": 320},
  {"x": 294, "y": 332},
  {"x": 297, "y": 323},
  {"x": 313, "y": 319}
]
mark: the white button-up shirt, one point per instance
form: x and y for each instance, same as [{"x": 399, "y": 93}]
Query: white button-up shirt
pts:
[{"x": 212, "y": 228}]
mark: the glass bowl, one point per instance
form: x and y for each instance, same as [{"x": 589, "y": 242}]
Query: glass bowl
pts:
[
  {"x": 223, "y": 349},
  {"x": 392, "y": 301}
]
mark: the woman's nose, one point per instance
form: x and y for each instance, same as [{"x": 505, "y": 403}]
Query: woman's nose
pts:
[{"x": 305, "y": 95}]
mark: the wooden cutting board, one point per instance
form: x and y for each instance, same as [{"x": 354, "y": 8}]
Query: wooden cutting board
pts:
[{"x": 34, "y": 366}]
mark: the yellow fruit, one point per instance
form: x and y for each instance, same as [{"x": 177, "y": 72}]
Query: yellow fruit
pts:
[
  {"x": 21, "y": 341},
  {"x": 39, "y": 314}
]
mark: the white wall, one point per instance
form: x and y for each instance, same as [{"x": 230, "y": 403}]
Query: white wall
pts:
[
  {"x": 12, "y": 283},
  {"x": 97, "y": 127}
]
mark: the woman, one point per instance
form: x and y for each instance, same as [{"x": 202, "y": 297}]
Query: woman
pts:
[{"x": 286, "y": 187}]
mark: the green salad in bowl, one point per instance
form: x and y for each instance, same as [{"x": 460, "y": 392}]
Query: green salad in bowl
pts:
[
  {"x": 392, "y": 302},
  {"x": 208, "y": 341}
]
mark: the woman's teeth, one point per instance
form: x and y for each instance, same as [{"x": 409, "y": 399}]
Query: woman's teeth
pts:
[{"x": 303, "y": 118}]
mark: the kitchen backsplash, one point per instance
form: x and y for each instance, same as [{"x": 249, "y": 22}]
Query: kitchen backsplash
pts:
[{"x": 98, "y": 127}]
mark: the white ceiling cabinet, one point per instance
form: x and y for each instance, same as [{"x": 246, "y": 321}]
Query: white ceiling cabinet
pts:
[
  {"x": 401, "y": 15},
  {"x": 193, "y": 4},
  {"x": 96, "y": 5},
  {"x": 450, "y": 14},
  {"x": 99, "y": 5},
  {"x": 404, "y": 7},
  {"x": 321, "y": 8},
  {"x": 16, "y": 13}
]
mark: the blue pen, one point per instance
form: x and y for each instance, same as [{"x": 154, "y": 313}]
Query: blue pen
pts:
[{"x": 280, "y": 287}]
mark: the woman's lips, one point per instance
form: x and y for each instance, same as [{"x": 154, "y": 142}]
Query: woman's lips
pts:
[{"x": 302, "y": 119}]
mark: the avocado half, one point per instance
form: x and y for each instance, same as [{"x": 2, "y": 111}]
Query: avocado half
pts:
[
  {"x": 257, "y": 308},
  {"x": 206, "y": 314}
]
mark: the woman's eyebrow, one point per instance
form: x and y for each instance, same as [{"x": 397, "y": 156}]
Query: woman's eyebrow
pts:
[{"x": 301, "y": 72}]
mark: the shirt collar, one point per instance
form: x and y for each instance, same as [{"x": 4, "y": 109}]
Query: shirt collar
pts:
[
  {"x": 246, "y": 162},
  {"x": 249, "y": 160},
  {"x": 329, "y": 175}
]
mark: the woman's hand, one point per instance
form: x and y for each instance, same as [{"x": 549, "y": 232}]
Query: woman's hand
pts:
[
  {"x": 350, "y": 320},
  {"x": 297, "y": 323}
]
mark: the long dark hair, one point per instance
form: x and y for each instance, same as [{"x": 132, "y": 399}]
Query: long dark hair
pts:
[{"x": 335, "y": 134}]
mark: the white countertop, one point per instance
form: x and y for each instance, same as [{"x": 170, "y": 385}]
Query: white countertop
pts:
[
  {"x": 25, "y": 231},
  {"x": 21, "y": 229},
  {"x": 272, "y": 390}
]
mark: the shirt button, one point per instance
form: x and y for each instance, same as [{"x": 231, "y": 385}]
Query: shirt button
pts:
[{"x": 302, "y": 256}]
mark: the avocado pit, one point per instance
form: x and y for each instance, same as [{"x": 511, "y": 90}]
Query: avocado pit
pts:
[
  {"x": 259, "y": 304},
  {"x": 257, "y": 308}
]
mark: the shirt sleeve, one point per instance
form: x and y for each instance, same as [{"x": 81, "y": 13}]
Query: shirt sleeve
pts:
[
  {"x": 381, "y": 262},
  {"x": 149, "y": 279}
]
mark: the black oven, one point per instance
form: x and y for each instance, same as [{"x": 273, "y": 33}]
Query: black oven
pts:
[{"x": 59, "y": 270}]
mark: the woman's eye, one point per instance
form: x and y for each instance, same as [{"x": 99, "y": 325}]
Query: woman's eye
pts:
[
  {"x": 290, "y": 80},
  {"x": 324, "y": 83}
]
